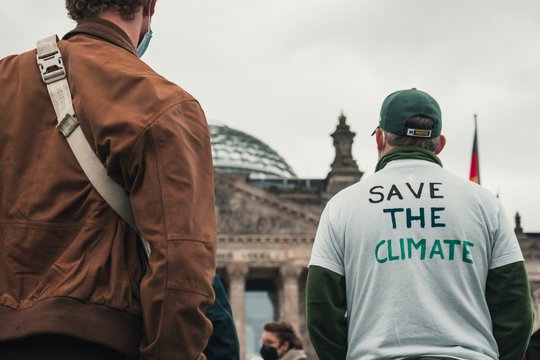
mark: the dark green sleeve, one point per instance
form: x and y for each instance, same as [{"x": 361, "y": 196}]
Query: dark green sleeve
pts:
[
  {"x": 509, "y": 300},
  {"x": 326, "y": 306}
]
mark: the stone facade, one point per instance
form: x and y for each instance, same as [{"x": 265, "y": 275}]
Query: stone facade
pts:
[
  {"x": 530, "y": 246},
  {"x": 266, "y": 228},
  {"x": 262, "y": 236}
]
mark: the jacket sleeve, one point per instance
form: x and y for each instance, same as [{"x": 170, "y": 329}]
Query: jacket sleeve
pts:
[
  {"x": 223, "y": 344},
  {"x": 172, "y": 195},
  {"x": 509, "y": 302},
  {"x": 326, "y": 308}
]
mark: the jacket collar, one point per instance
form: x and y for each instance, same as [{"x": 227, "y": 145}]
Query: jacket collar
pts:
[
  {"x": 294, "y": 354},
  {"x": 105, "y": 30}
]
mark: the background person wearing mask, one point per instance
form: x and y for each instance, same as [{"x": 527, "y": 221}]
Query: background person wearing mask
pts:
[
  {"x": 279, "y": 341},
  {"x": 73, "y": 283}
]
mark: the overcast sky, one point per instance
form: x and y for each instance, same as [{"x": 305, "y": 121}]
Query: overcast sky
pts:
[{"x": 283, "y": 70}]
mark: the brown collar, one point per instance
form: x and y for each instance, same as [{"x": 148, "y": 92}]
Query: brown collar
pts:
[{"x": 104, "y": 30}]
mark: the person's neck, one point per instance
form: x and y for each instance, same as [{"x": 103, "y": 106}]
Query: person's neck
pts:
[
  {"x": 406, "y": 152},
  {"x": 131, "y": 27},
  {"x": 386, "y": 149}
]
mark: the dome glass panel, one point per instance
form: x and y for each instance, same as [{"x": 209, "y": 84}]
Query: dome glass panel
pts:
[{"x": 236, "y": 151}]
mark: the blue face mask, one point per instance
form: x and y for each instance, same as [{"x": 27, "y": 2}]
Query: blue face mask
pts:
[{"x": 143, "y": 45}]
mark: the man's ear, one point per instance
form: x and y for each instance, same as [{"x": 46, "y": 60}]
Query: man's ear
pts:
[
  {"x": 379, "y": 138},
  {"x": 442, "y": 143}
]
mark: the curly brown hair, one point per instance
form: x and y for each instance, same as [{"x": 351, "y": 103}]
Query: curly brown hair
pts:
[
  {"x": 83, "y": 9},
  {"x": 285, "y": 333}
]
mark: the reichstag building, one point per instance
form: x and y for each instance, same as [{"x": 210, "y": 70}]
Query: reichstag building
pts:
[{"x": 267, "y": 219}]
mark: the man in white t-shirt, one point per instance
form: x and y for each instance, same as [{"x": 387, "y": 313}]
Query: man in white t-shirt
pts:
[{"x": 415, "y": 262}]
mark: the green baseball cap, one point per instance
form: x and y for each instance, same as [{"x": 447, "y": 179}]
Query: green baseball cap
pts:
[{"x": 400, "y": 106}]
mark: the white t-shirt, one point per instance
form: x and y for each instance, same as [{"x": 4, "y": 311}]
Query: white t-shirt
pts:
[{"x": 415, "y": 244}]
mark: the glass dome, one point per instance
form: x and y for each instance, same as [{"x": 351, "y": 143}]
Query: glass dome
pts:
[{"x": 236, "y": 151}]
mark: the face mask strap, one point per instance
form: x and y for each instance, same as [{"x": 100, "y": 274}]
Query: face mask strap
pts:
[{"x": 143, "y": 45}]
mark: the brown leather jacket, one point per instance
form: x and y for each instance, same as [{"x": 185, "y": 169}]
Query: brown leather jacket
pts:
[{"x": 68, "y": 264}]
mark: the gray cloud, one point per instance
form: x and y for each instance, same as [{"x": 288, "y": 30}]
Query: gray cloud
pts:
[{"x": 283, "y": 70}]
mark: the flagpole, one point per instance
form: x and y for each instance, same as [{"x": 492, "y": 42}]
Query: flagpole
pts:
[
  {"x": 476, "y": 147},
  {"x": 474, "y": 174}
]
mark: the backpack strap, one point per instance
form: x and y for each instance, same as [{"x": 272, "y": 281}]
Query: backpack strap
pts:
[{"x": 53, "y": 73}]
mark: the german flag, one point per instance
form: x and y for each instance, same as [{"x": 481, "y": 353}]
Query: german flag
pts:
[{"x": 474, "y": 174}]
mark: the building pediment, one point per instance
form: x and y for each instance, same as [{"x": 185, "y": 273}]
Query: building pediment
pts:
[{"x": 245, "y": 209}]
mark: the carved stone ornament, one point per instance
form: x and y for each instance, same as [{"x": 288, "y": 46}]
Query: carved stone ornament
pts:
[
  {"x": 291, "y": 271},
  {"x": 237, "y": 272},
  {"x": 241, "y": 210}
]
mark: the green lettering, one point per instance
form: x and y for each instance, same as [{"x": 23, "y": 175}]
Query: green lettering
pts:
[
  {"x": 434, "y": 217},
  {"x": 411, "y": 218},
  {"x": 436, "y": 250},
  {"x": 390, "y": 256},
  {"x": 380, "y": 261},
  {"x": 451, "y": 246},
  {"x": 393, "y": 214},
  {"x": 402, "y": 248},
  {"x": 467, "y": 252},
  {"x": 417, "y": 245}
]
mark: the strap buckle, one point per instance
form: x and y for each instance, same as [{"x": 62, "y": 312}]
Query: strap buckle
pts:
[
  {"x": 51, "y": 66},
  {"x": 67, "y": 125}
]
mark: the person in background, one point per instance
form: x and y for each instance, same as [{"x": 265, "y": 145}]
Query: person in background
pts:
[
  {"x": 74, "y": 281},
  {"x": 533, "y": 351},
  {"x": 415, "y": 262},
  {"x": 223, "y": 344},
  {"x": 279, "y": 341}
]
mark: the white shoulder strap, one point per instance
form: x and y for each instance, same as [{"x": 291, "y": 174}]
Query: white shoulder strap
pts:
[{"x": 53, "y": 73}]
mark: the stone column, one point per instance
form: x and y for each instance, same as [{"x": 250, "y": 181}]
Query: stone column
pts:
[
  {"x": 289, "y": 300},
  {"x": 535, "y": 289},
  {"x": 237, "y": 286}
]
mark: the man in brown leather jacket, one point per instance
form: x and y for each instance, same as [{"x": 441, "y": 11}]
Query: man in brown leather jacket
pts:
[{"x": 73, "y": 283}]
